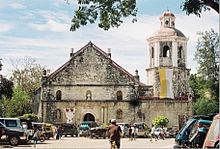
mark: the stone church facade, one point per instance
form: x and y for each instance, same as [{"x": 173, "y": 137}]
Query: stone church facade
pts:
[{"x": 91, "y": 86}]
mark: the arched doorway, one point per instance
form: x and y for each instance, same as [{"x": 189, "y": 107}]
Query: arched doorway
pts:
[{"x": 89, "y": 117}]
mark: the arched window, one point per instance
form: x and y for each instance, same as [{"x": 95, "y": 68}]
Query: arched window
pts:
[
  {"x": 88, "y": 95},
  {"x": 119, "y": 114},
  {"x": 58, "y": 95},
  {"x": 166, "y": 22},
  {"x": 180, "y": 49},
  {"x": 119, "y": 95},
  {"x": 166, "y": 51},
  {"x": 152, "y": 52}
]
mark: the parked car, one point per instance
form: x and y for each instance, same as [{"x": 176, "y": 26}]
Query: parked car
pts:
[
  {"x": 142, "y": 129},
  {"x": 182, "y": 138},
  {"x": 85, "y": 127},
  {"x": 41, "y": 129},
  {"x": 124, "y": 128},
  {"x": 213, "y": 135},
  {"x": 198, "y": 133},
  {"x": 12, "y": 136},
  {"x": 69, "y": 129},
  {"x": 50, "y": 130},
  {"x": 171, "y": 132},
  {"x": 12, "y": 123},
  {"x": 98, "y": 132}
]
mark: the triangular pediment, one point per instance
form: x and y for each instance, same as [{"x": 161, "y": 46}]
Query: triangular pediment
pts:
[{"x": 91, "y": 65}]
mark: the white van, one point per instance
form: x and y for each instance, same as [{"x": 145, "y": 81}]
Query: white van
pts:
[{"x": 11, "y": 123}]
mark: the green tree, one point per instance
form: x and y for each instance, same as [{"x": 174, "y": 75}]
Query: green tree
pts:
[
  {"x": 207, "y": 56},
  {"x": 27, "y": 74},
  {"x": 31, "y": 117},
  {"x": 205, "y": 84},
  {"x": 160, "y": 121},
  {"x": 109, "y": 13},
  {"x": 6, "y": 87},
  {"x": 197, "y": 85},
  {"x": 205, "y": 106},
  {"x": 197, "y": 6},
  {"x": 18, "y": 105}
]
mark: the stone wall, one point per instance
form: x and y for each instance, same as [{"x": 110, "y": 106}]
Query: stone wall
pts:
[{"x": 145, "y": 112}]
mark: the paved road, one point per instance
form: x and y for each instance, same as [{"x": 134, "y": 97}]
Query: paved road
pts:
[{"x": 79, "y": 143}]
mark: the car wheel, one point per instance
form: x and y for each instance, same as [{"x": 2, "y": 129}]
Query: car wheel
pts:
[
  {"x": 13, "y": 141},
  {"x": 42, "y": 139}
]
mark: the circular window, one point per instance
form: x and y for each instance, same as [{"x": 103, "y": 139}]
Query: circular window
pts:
[{"x": 166, "y": 22}]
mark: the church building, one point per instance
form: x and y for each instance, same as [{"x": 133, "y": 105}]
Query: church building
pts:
[{"x": 90, "y": 86}]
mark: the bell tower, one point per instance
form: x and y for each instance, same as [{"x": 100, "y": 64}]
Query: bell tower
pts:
[{"x": 166, "y": 60}]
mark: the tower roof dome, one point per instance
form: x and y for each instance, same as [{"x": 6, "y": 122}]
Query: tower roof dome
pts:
[
  {"x": 167, "y": 26},
  {"x": 167, "y": 14},
  {"x": 164, "y": 32}
]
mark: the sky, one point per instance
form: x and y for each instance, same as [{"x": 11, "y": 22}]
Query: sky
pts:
[{"x": 40, "y": 29}]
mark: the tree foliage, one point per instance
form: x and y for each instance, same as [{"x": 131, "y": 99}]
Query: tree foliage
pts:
[
  {"x": 207, "y": 56},
  {"x": 6, "y": 88},
  {"x": 160, "y": 121},
  {"x": 18, "y": 105},
  {"x": 27, "y": 74},
  {"x": 205, "y": 106},
  {"x": 134, "y": 101},
  {"x": 197, "y": 6},
  {"x": 197, "y": 85},
  {"x": 31, "y": 117},
  {"x": 110, "y": 13},
  {"x": 205, "y": 84}
]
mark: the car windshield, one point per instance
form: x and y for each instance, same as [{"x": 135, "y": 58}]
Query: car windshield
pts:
[
  {"x": 2, "y": 125},
  {"x": 193, "y": 130},
  {"x": 140, "y": 126},
  {"x": 186, "y": 125}
]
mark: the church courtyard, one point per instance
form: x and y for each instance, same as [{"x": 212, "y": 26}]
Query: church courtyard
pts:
[{"x": 81, "y": 142}]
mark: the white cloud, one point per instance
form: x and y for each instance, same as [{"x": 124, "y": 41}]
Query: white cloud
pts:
[
  {"x": 51, "y": 26},
  {"x": 5, "y": 27},
  {"x": 13, "y": 5},
  {"x": 17, "y": 6}
]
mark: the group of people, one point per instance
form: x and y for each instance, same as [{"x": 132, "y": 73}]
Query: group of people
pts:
[
  {"x": 157, "y": 133},
  {"x": 38, "y": 135},
  {"x": 132, "y": 133},
  {"x": 114, "y": 133}
]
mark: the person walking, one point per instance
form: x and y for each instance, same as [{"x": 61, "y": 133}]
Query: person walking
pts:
[
  {"x": 114, "y": 133},
  {"x": 130, "y": 133},
  {"x": 36, "y": 135},
  {"x": 135, "y": 133},
  {"x": 59, "y": 133},
  {"x": 162, "y": 133},
  {"x": 152, "y": 133}
]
